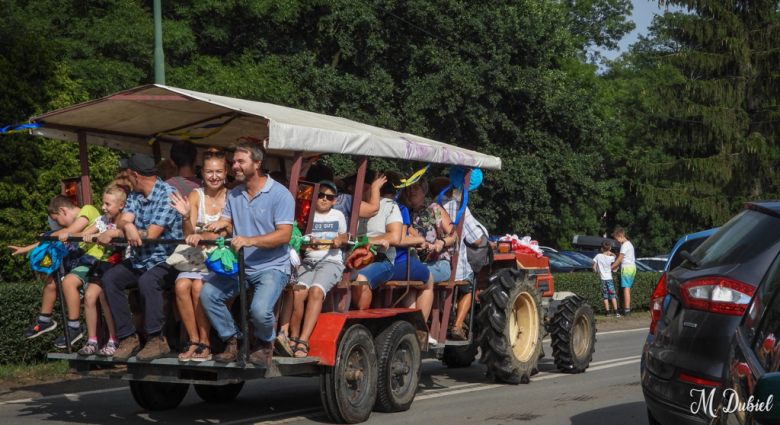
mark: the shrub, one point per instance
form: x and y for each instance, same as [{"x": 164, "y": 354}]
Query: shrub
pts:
[
  {"x": 588, "y": 285},
  {"x": 21, "y": 304}
]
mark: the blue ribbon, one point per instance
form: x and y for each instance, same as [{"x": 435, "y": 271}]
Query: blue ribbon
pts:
[
  {"x": 458, "y": 179},
  {"x": 18, "y": 128}
]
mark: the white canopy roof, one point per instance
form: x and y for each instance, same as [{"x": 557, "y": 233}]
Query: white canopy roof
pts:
[{"x": 127, "y": 119}]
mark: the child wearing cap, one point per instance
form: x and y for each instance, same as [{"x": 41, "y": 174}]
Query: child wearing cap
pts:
[{"x": 320, "y": 270}]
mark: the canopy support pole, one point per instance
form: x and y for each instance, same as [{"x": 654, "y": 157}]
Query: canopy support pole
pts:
[
  {"x": 86, "y": 188},
  {"x": 295, "y": 173},
  {"x": 157, "y": 152}
]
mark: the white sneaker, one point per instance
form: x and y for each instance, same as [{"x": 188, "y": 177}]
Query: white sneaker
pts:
[{"x": 432, "y": 341}]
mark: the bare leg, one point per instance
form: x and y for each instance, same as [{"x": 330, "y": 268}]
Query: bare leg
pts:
[
  {"x": 299, "y": 298},
  {"x": 49, "y": 296},
  {"x": 187, "y": 312},
  {"x": 313, "y": 310},
  {"x": 91, "y": 311},
  {"x": 204, "y": 326},
  {"x": 606, "y": 305},
  {"x": 70, "y": 290},
  {"x": 286, "y": 314},
  {"x": 425, "y": 298},
  {"x": 614, "y": 304},
  {"x": 464, "y": 306},
  {"x": 627, "y": 298},
  {"x": 361, "y": 295},
  {"x": 107, "y": 313}
]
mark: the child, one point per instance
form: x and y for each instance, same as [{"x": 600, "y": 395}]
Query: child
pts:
[
  {"x": 322, "y": 267},
  {"x": 71, "y": 219},
  {"x": 602, "y": 264},
  {"x": 627, "y": 263},
  {"x": 114, "y": 197}
]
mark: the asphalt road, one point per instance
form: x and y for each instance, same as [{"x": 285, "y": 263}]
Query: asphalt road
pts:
[{"x": 608, "y": 393}]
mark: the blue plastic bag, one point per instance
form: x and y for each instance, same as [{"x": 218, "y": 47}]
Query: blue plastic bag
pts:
[{"x": 47, "y": 257}]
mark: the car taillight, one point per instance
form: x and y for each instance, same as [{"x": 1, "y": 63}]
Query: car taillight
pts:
[
  {"x": 698, "y": 381},
  {"x": 716, "y": 295},
  {"x": 657, "y": 302}
]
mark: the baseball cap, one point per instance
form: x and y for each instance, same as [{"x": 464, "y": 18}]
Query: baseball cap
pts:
[
  {"x": 329, "y": 184},
  {"x": 142, "y": 164}
]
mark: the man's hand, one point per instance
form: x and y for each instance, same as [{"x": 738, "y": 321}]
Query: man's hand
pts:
[
  {"x": 239, "y": 242},
  {"x": 193, "y": 240},
  {"x": 133, "y": 235}
]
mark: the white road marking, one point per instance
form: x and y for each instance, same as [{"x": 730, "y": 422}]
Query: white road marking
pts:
[{"x": 614, "y": 332}]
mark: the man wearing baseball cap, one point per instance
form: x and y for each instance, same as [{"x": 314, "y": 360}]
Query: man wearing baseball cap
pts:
[{"x": 147, "y": 215}]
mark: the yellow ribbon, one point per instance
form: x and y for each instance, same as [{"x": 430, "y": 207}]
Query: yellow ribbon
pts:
[{"x": 414, "y": 178}]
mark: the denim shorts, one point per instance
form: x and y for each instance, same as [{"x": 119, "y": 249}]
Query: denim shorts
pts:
[
  {"x": 440, "y": 270},
  {"x": 417, "y": 271},
  {"x": 377, "y": 273}
]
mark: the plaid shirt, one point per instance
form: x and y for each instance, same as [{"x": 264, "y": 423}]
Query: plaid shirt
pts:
[
  {"x": 154, "y": 210},
  {"x": 472, "y": 231}
]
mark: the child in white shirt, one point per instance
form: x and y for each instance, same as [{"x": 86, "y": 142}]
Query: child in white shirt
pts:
[{"x": 602, "y": 264}]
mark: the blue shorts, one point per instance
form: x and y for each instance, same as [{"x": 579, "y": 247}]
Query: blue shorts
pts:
[
  {"x": 440, "y": 270},
  {"x": 627, "y": 275},
  {"x": 377, "y": 273},
  {"x": 417, "y": 271},
  {"x": 608, "y": 289}
]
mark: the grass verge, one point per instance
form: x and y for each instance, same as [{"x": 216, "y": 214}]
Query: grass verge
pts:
[{"x": 36, "y": 372}]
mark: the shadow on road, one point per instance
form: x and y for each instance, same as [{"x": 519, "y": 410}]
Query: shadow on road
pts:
[{"x": 628, "y": 413}]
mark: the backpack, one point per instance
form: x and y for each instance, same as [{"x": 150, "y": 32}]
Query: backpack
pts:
[{"x": 480, "y": 255}]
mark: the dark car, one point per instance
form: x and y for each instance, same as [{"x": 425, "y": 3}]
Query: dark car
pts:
[
  {"x": 578, "y": 257},
  {"x": 640, "y": 266},
  {"x": 753, "y": 365},
  {"x": 657, "y": 263},
  {"x": 560, "y": 263},
  {"x": 708, "y": 293}
]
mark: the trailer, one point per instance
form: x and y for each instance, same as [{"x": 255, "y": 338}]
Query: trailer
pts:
[{"x": 366, "y": 360}]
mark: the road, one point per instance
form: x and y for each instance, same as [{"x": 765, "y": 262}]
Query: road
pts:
[{"x": 608, "y": 393}]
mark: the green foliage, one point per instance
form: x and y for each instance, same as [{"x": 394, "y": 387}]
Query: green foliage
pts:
[
  {"x": 21, "y": 305},
  {"x": 588, "y": 285}
]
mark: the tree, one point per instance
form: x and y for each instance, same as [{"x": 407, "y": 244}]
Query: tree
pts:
[{"x": 598, "y": 23}]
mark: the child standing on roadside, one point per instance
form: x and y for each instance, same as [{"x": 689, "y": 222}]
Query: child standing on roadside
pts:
[
  {"x": 627, "y": 263},
  {"x": 602, "y": 264},
  {"x": 114, "y": 198}
]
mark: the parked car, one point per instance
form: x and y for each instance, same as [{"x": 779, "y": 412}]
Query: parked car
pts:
[
  {"x": 657, "y": 263},
  {"x": 642, "y": 267},
  {"x": 708, "y": 293},
  {"x": 754, "y": 359},
  {"x": 579, "y": 257},
  {"x": 560, "y": 263}
]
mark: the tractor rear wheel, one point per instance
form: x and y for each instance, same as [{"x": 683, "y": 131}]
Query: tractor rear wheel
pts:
[
  {"x": 398, "y": 357},
  {"x": 158, "y": 395},
  {"x": 218, "y": 393},
  {"x": 511, "y": 321},
  {"x": 348, "y": 389},
  {"x": 573, "y": 335}
]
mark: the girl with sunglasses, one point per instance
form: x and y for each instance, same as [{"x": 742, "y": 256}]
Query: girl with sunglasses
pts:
[{"x": 202, "y": 206}]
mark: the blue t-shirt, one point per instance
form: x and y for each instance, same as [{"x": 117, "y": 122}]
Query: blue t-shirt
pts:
[
  {"x": 402, "y": 252},
  {"x": 271, "y": 206}
]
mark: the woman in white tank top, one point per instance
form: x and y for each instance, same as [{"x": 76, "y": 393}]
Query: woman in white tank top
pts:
[{"x": 203, "y": 205}]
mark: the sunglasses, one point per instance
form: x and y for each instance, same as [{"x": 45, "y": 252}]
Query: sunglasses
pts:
[
  {"x": 207, "y": 155},
  {"x": 325, "y": 195}
]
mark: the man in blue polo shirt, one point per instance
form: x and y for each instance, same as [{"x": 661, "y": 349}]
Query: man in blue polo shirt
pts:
[
  {"x": 147, "y": 215},
  {"x": 259, "y": 214}
]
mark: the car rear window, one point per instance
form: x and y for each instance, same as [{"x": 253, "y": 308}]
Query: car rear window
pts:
[
  {"x": 740, "y": 240},
  {"x": 690, "y": 246}
]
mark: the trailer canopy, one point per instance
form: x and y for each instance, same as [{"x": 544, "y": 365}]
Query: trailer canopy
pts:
[{"x": 127, "y": 119}]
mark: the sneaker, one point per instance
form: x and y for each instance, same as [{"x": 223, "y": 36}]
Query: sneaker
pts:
[
  {"x": 231, "y": 351},
  {"x": 39, "y": 328},
  {"x": 617, "y": 314},
  {"x": 75, "y": 335},
  {"x": 154, "y": 349},
  {"x": 609, "y": 314},
  {"x": 89, "y": 348},
  {"x": 128, "y": 347},
  {"x": 627, "y": 313},
  {"x": 431, "y": 340},
  {"x": 108, "y": 350}
]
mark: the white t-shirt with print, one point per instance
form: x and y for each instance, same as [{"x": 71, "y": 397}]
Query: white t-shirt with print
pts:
[
  {"x": 629, "y": 258},
  {"x": 325, "y": 228},
  {"x": 604, "y": 265}
]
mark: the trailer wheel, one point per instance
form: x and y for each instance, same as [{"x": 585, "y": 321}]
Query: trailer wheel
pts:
[
  {"x": 218, "y": 393},
  {"x": 573, "y": 335},
  {"x": 349, "y": 388},
  {"x": 158, "y": 395},
  {"x": 398, "y": 358},
  {"x": 511, "y": 323}
]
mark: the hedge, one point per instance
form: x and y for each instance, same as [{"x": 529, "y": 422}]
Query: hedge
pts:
[{"x": 588, "y": 285}]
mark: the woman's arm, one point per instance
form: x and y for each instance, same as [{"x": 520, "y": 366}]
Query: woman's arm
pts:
[{"x": 412, "y": 238}]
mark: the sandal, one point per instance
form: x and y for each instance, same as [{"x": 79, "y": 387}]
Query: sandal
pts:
[
  {"x": 199, "y": 352},
  {"x": 457, "y": 334},
  {"x": 282, "y": 346},
  {"x": 185, "y": 355},
  {"x": 304, "y": 350}
]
